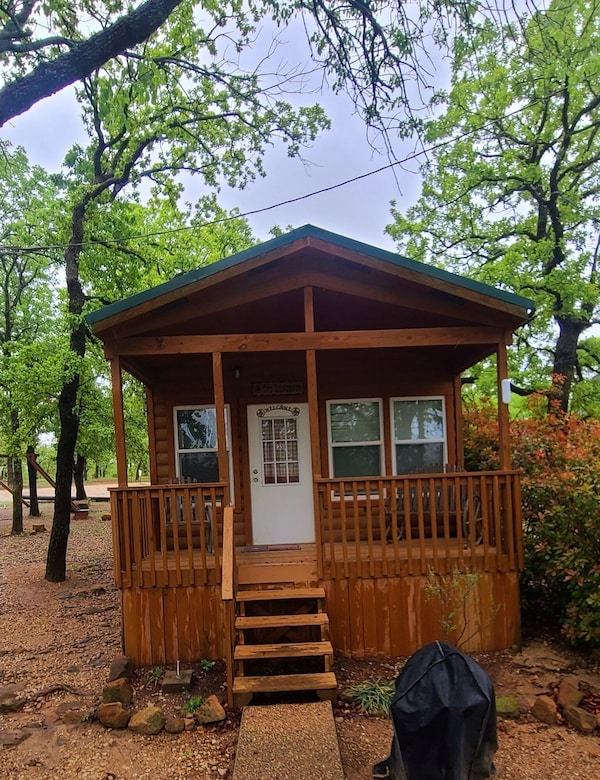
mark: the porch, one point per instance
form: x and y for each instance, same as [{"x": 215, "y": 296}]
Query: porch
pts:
[
  {"x": 172, "y": 535},
  {"x": 186, "y": 575}
]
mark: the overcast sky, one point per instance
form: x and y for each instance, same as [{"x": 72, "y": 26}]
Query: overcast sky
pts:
[{"x": 359, "y": 210}]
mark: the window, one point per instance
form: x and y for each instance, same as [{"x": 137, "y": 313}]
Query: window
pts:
[
  {"x": 280, "y": 451},
  {"x": 355, "y": 438},
  {"x": 196, "y": 446},
  {"x": 419, "y": 431}
]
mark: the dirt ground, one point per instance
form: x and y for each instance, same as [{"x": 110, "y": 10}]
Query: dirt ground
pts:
[{"x": 57, "y": 642}]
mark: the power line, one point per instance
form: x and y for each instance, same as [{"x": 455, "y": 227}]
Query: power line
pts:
[{"x": 169, "y": 231}]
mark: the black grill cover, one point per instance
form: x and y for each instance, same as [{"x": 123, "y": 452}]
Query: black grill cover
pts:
[{"x": 444, "y": 714}]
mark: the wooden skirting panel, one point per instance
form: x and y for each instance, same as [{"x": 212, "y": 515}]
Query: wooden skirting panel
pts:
[
  {"x": 166, "y": 625},
  {"x": 393, "y": 616},
  {"x": 390, "y": 616}
]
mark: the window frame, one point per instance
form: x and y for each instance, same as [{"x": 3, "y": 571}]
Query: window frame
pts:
[
  {"x": 396, "y": 441},
  {"x": 178, "y": 450},
  {"x": 380, "y": 442}
]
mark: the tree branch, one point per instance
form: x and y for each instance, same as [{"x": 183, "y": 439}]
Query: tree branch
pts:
[{"x": 49, "y": 77}]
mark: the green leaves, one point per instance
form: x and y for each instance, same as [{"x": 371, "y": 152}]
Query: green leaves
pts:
[{"x": 512, "y": 196}]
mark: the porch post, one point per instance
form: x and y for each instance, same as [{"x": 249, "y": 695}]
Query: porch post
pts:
[
  {"x": 119, "y": 418},
  {"x": 312, "y": 396},
  {"x": 217, "y": 361},
  {"x": 311, "y": 385},
  {"x": 503, "y": 418}
]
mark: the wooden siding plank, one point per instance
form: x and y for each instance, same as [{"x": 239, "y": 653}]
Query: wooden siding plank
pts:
[{"x": 369, "y": 621}]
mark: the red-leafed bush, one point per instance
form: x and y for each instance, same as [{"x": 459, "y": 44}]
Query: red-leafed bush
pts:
[{"x": 560, "y": 459}]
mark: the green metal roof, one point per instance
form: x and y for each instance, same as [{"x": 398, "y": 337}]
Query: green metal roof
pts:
[{"x": 191, "y": 277}]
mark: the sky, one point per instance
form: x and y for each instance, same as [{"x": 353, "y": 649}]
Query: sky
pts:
[{"x": 359, "y": 210}]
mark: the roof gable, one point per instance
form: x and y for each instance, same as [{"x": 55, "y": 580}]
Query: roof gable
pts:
[{"x": 296, "y": 246}]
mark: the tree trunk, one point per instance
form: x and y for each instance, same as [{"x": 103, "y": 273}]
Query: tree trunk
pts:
[
  {"x": 34, "y": 506},
  {"x": 565, "y": 360},
  {"x": 56, "y": 561},
  {"x": 17, "y": 486},
  {"x": 79, "y": 476}
]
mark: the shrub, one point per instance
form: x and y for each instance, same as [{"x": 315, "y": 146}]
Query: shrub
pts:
[{"x": 560, "y": 459}]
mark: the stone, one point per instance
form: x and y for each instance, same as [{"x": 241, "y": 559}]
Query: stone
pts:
[
  {"x": 113, "y": 715},
  {"x": 73, "y": 717},
  {"x": 210, "y": 712},
  {"x": 176, "y": 683},
  {"x": 582, "y": 720},
  {"x": 121, "y": 666},
  {"x": 174, "y": 725},
  {"x": 38, "y": 528},
  {"x": 569, "y": 694},
  {"x": 149, "y": 721},
  {"x": 105, "y": 518},
  {"x": 117, "y": 690},
  {"x": 190, "y": 724},
  {"x": 13, "y": 738},
  {"x": 9, "y": 701},
  {"x": 545, "y": 710},
  {"x": 507, "y": 707},
  {"x": 64, "y": 594}
]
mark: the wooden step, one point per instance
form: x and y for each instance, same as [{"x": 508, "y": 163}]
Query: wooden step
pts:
[
  {"x": 283, "y": 650},
  {"x": 280, "y": 593},
  {"x": 323, "y": 681},
  {"x": 282, "y": 621}
]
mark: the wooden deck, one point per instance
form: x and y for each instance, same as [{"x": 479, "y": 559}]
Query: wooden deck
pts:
[{"x": 180, "y": 567}]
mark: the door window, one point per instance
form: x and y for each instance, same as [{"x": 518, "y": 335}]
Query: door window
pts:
[{"x": 279, "y": 440}]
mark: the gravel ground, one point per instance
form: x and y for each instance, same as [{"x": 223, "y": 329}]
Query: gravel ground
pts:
[{"x": 57, "y": 641}]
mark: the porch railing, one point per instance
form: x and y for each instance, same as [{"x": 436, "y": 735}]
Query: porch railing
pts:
[
  {"x": 411, "y": 525},
  {"x": 168, "y": 534}
]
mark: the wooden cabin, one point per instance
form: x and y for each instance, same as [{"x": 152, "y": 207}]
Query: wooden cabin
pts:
[{"x": 306, "y": 462}]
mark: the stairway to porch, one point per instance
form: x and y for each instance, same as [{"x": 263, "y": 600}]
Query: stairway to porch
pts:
[{"x": 281, "y": 628}]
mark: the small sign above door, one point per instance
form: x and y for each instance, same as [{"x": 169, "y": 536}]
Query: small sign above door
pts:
[{"x": 277, "y": 388}]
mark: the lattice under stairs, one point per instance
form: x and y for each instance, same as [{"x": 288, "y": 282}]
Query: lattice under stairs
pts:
[{"x": 282, "y": 643}]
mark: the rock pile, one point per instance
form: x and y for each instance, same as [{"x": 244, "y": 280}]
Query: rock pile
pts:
[
  {"x": 563, "y": 706},
  {"x": 116, "y": 710}
]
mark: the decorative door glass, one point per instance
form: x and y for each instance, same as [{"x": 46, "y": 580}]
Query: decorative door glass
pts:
[{"x": 279, "y": 438}]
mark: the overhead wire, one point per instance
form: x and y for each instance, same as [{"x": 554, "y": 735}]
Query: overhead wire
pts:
[{"x": 288, "y": 201}]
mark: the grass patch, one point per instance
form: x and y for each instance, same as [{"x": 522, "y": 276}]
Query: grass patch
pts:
[{"x": 372, "y": 697}]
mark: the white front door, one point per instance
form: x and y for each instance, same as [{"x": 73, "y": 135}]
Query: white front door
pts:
[{"x": 280, "y": 474}]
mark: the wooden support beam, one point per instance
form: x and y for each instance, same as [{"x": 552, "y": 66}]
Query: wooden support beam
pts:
[
  {"x": 284, "y": 342},
  {"x": 119, "y": 417},
  {"x": 219, "y": 393},
  {"x": 503, "y": 417},
  {"x": 309, "y": 310}
]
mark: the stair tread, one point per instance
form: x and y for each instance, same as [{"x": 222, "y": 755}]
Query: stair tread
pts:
[
  {"x": 283, "y": 650},
  {"x": 285, "y": 682},
  {"x": 279, "y": 621},
  {"x": 280, "y": 593}
]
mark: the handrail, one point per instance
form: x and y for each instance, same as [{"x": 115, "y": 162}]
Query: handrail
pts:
[
  {"x": 227, "y": 595},
  {"x": 228, "y": 578}
]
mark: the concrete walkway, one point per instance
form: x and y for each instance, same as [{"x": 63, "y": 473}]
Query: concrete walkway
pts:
[{"x": 288, "y": 742}]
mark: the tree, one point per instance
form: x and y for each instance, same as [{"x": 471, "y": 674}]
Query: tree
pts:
[
  {"x": 160, "y": 112},
  {"x": 26, "y": 194},
  {"x": 27, "y": 42},
  {"x": 511, "y": 190},
  {"x": 380, "y": 51}
]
